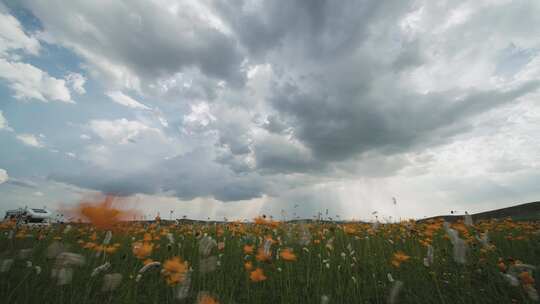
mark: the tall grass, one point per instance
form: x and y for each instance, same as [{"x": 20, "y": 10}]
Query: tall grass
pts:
[{"x": 342, "y": 263}]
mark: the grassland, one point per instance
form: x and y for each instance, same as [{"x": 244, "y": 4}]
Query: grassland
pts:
[{"x": 271, "y": 262}]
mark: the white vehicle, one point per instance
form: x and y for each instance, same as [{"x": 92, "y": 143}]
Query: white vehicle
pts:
[{"x": 31, "y": 216}]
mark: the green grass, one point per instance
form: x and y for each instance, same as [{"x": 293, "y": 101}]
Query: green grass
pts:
[{"x": 301, "y": 281}]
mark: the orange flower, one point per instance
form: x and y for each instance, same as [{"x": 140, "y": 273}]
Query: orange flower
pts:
[
  {"x": 257, "y": 275},
  {"x": 89, "y": 245},
  {"x": 175, "y": 270},
  {"x": 399, "y": 257},
  {"x": 142, "y": 250},
  {"x": 287, "y": 255},
  {"x": 248, "y": 266},
  {"x": 110, "y": 249},
  {"x": 147, "y": 261},
  {"x": 502, "y": 267},
  {"x": 262, "y": 256},
  {"x": 248, "y": 249},
  {"x": 206, "y": 299},
  {"x": 147, "y": 237},
  {"x": 526, "y": 278}
]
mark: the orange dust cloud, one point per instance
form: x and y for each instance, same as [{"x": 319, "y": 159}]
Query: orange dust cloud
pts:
[{"x": 103, "y": 213}]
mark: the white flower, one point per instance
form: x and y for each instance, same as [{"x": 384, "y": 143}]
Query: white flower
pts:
[
  {"x": 394, "y": 292},
  {"x": 108, "y": 237},
  {"x": 111, "y": 281},
  {"x": 325, "y": 299},
  {"x": 99, "y": 269},
  {"x": 5, "y": 265}
]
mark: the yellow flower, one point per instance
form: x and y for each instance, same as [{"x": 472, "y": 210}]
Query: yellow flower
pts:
[
  {"x": 142, "y": 250},
  {"x": 175, "y": 270}
]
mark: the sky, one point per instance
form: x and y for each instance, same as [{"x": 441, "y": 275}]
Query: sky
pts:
[{"x": 213, "y": 109}]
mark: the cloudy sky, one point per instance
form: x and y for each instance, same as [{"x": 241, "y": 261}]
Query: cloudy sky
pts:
[{"x": 233, "y": 108}]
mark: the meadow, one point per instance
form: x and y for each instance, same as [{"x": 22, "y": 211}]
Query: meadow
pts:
[{"x": 266, "y": 261}]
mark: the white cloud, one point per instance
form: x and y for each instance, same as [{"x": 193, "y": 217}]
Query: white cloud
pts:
[
  {"x": 199, "y": 117},
  {"x": 76, "y": 81},
  {"x": 85, "y": 137},
  {"x": 119, "y": 131},
  {"x": 4, "y": 123},
  {"x": 3, "y": 176},
  {"x": 30, "y": 140},
  {"x": 12, "y": 37},
  {"x": 125, "y": 100},
  {"x": 29, "y": 82}
]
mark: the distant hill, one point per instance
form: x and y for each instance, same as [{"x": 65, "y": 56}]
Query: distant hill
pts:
[{"x": 523, "y": 212}]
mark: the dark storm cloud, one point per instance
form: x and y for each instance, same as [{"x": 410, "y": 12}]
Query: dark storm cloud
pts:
[
  {"x": 192, "y": 175},
  {"x": 142, "y": 36},
  {"x": 319, "y": 28},
  {"x": 343, "y": 102},
  {"x": 337, "y": 127}
]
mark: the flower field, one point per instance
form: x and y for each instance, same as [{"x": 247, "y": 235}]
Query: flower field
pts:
[{"x": 266, "y": 261}]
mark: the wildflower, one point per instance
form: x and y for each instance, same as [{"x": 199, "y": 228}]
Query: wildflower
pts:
[
  {"x": 221, "y": 246},
  {"x": 205, "y": 298},
  {"x": 206, "y": 245},
  {"x": 428, "y": 260},
  {"x": 248, "y": 266},
  {"x": 248, "y": 249},
  {"x": 257, "y": 275},
  {"x": 325, "y": 299},
  {"x": 181, "y": 290},
  {"x": 142, "y": 250},
  {"x": 111, "y": 282},
  {"x": 108, "y": 237},
  {"x": 170, "y": 238},
  {"x": 100, "y": 269},
  {"x": 148, "y": 266},
  {"x": 54, "y": 249},
  {"x": 64, "y": 275},
  {"x": 147, "y": 261},
  {"x": 526, "y": 278},
  {"x": 37, "y": 269},
  {"x": 89, "y": 245},
  {"x": 389, "y": 277},
  {"x": 399, "y": 257},
  {"x": 262, "y": 256},
  {"x": 501, "y": 265},
  {"x": 5, "y": 265},
  {"x": 175, "y": 270},
  {"x": 460, "y": 251},
  {"x": 287, "y": 255},
  {"x": 208, "y": 264},
  {"x": 394, "y": 292}
]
